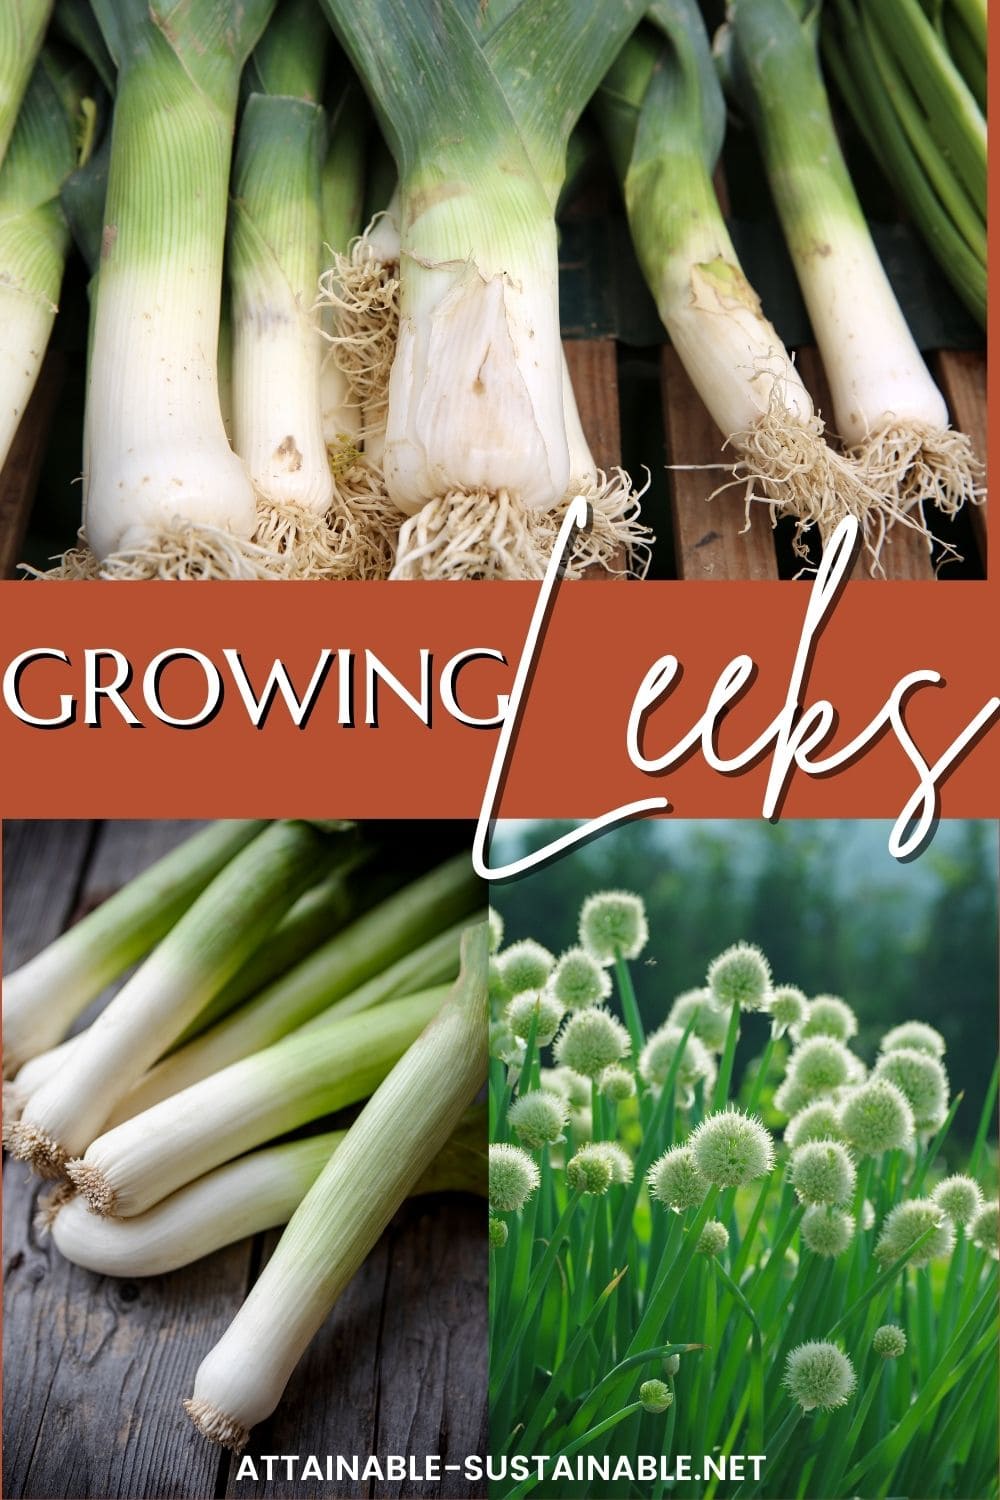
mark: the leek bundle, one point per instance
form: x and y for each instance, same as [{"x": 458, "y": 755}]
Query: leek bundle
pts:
[
  {"x": 394, "y": 1139},
  {"x": 44, "y": 996},
  {"x": 164, "y": 495},
  {"x": 300, "y": 1078},
  {"x": 663, "y": 116},
  {"x": 274, "y": 269},
  {"x": 22, "y": 27},
  {"x": 477, "y": 451},
  {"x": 255, "y": 1192},
  {"x": 231, "y": 917},
  {"x": 917, "y": 94},
  {"x": 52, "y": 132},
  {"x": 886, "y": 407}
]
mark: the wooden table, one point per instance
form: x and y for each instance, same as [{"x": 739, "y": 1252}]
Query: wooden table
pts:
[{"x": 95, "y": 1369}]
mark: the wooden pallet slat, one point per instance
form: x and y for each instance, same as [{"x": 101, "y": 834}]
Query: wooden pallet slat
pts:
[
  {"x": 710, "y": 538},
  {"x": 962, "y": 377}
]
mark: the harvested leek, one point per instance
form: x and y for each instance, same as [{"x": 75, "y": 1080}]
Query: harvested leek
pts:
[
  {"x": 53, "y": 129},
  {"x": 476, "y": 446},
  {"x": 274, "y": 269},
  {"x": 394, "y": 1139},
  {"x": 301, "y": 1078},
  {"x": 44, "y": 996},
  {"x": 886, "y": 407},
  {"x": 663, "y": 116},
  {"x": 22, "y": 27},
  {"x": 231, "y": 917},
  {"x": 256, "y": 1192},
  {"x": 164, "y": 495}
]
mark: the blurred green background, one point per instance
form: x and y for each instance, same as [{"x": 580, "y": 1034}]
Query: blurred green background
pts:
[{"x": 833, "y": 912}]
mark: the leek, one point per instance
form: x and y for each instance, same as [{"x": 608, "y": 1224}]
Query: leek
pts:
[
  {"x": 34, "y": 239},
  {"x": 301, "y": 1078},
  {"x": 663, "y": 116},
  {"x": 324, "y": 908},
  {"x": 22, "y": 27},
  {"x": 393, "y": 1140},
  {"x": 274, "y": 269},
  {"x": 231, "y": 917},
  {"x": 319, "y": 991},
  {"x": 886, "y": 406},
  {"x": 164, "y": 495},
  {"x": 44, "y": 996},
  {"x": 910, "y": 142},
  {"x": 476, "y": 447},
  {"x": 256, "y": 1192}
]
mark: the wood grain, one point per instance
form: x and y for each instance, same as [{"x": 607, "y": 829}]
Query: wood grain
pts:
[
  {"x": 962, "y": 376},
  {"x": 95, "y": 1369},
  {"x": 709, "y": 534},
  {"x": 19, "y": 476}
]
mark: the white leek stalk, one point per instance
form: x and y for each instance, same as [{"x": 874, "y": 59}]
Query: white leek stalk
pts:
[
  {"x": 394, "y": 1139},
  {"x": 301, "y": 1078},
  {"x": 22, "y": 27},
  {"x": 886, "y": 406},
  {"x": 274, "y": 269},
  {"x": 341, "y": 192},
  {"x": 663, "y": 116},
  {"x": 326, "y": 908},
  {"x": 164, "y": 494},
  {"x": 34, "y": 238},
  {"x": 476, "y": 445},
  {"x": 256, "y": 1192},
  {"x": 291, "y": 1005},
  {"x": 44, "y": 996},
  {"x": 231, "y": 917}
]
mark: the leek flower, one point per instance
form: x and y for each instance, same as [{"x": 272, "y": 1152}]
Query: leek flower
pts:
[
  {"x": 903, "y": 1226},
  {"x": 819, "y": 1375}
]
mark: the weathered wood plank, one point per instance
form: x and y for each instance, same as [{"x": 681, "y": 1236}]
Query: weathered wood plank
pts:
[
  {"x": 711, "y": 542},
  {"x": 19, "y": 476},
  {"x": 42, "y": 870},
  {"x": 962, "y": 376},
  {"x": 593, "y": 370}
]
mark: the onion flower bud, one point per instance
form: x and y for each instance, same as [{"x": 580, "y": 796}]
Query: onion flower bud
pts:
[
  {"x": 622, "y": 1167},
  {"x": 787, "y": 1008},
  {"x": 677, "y": 1180},
  {"x": 828, "y": 1015},
  {"x": 613, "y": 923},
  {"x": 889, "y": 1341},
  {"x": 826, "y": 1231},
  {"x": 922, "y": 1078},
  {"x": 985, "y": 1229},
  {"x": 732, "y": 1148},
  {"x": 655, "y": 1395},
  {"x": 714, "y": 1239},
  {"x": 740, "y": 976},
  {"x": 959, "y": 1197},
  {"x": 915, "y": 1034},
  {"x": 657, "y": 1058},
  {"x": 544, "y": 1009},
  {"x": 498, "y": 1233},
  {"x": 820, "y": 1065},
  {"x": 525, "y": 966},
  {"x": 496, "y": 929},
  {"x": 876, "y": 1117},
  {"x": 513, "y": 1178},
  {"x": 819, "y": 1375},
  {"x": 590, "y": 1041},
  {"x": 616, "y": 1083},
  {"x": 711, "y": 1022},
  {"x": 538, "y": 1119},
  {"x": 822, "y": 1172},
  {"x": 904, "y": 1225},
  {"x": 590, "y": 1170},
  {"x": 578, "y": 980},
  {"x": 817, "y": 1122}
]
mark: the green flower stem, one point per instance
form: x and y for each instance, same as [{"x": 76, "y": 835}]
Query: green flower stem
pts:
[
  {"x": 761, "y": 1076},
  {"x": 633, "y": 1020},
  {"x": 986, "y": 1119},
  {"x": 667, "y": 1445},
  {"x": 775, "y": 1447},
  {"x": 578, "y": 1443},
  {"x": 536, "y": 1286},
  {"x": 879, "y": 1284},
  {"x": 561, "y": 1374},
  {"x": 728, "y": 1056}
]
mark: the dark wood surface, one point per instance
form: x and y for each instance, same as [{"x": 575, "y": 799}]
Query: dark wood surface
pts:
[{"x": 95, "y": 1369}]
